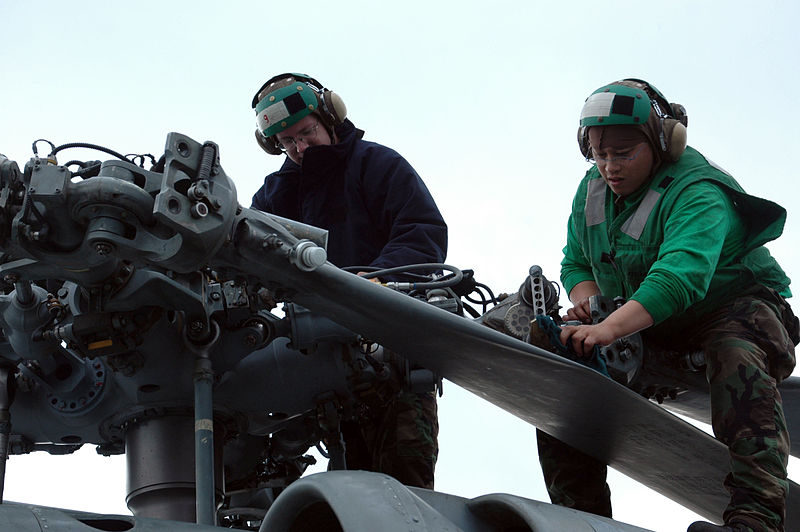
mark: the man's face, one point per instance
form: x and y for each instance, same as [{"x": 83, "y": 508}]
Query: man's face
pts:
[
  {"x": 623, "y": 157},
  {"x": 307, "y": 132}
]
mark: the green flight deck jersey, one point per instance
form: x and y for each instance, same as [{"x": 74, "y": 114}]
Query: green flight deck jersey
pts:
[{"x": 687, "y": 241}]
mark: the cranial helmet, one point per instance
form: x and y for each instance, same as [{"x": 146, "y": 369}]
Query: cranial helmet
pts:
[
  {"x": 286, "y": 99},
  {"x": 636, "y": 102}
]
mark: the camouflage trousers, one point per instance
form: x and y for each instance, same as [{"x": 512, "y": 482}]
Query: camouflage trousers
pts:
[
  {"x": 402, "y": 442},
  {"x": 572, "y": 478},
  {"x": 749, "y": 350}
]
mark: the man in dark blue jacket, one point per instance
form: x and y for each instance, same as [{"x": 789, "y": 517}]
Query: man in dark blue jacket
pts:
[{"x": 379, "y": 214}]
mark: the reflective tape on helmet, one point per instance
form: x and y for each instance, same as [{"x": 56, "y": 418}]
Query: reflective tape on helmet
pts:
[
  {"x": 616, "y": 105},
  {"x": 598, "y": 105},
  {"x": 284, "y": 107}
]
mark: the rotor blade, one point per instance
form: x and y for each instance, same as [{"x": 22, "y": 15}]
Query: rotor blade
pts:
[{"x": 573, "y": 403}]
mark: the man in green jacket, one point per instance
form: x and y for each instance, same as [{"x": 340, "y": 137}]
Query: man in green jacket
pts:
[{"x": 657, "y": 223}]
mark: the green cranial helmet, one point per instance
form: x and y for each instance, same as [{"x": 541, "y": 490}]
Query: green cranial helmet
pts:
[
  {"x": 614, "y": 105},
  {"x": 286, "y": 99},
  {"x": 635, "y": 102},
  {"x": 286, "y": 102}
]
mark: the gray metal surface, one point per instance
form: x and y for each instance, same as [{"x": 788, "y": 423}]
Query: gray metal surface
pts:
[
  {"x": 565, "y": 399},
  {"x": 17, "y": 517},
  {"x": 353, "y": 501},
  {"x": 360, "y": 501}
]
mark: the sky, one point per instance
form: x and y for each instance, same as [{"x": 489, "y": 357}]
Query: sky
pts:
[{"x": 482, "y": 98}]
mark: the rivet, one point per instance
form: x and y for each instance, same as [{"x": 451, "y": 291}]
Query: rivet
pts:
[
  {"x": 599, "y": 118},
  {"x": 283, "y": 124},
  {"x": 299, "y": 87},
  {"x": 272, "y": 98},
  {"x": 311, "y": 106}
]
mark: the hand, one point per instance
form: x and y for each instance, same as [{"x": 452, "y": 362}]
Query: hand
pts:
[
  {"x": 585, "y": 337},
  {"x": 630, "y": 318},
  {"x": 580, "y": 312},
  {"x": 372, "y": 280}
]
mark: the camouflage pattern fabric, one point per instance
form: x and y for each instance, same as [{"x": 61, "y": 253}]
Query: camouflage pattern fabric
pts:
[
  {"x": 748, "y": 353},
  {"x": 402, "y": 442},
  {"x": 749, "y": 350},
  {"x": 572, "y": 478}
]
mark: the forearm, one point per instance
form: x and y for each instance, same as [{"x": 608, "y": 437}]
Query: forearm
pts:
[
  {"x": 583, "y": 290},
  {"x": 630, "y": 318},
  {"x": 579, "y": 296}
]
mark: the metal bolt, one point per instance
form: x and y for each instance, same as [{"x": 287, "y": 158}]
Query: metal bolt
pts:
[
  {"x": 103, "y": 248},
  {"x": 250, "y": 340},
  {"x": 199, "y": 210},
  {"x": 673, "y": 394},
  {"x": 272, "y": 242},
  {"x": 197, "y": 191},
  {"x": 309, "y": 256}
]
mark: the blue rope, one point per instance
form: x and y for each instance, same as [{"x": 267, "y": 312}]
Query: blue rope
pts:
[{"x": 596, "y": 362}]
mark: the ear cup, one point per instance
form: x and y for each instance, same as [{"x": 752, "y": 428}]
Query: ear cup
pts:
[
  {"x": 675, "y": 138},
  {"x": 673, "y": 129},
  {"x": 334, "y": 107},
  {"x": 268, "y": 145}
]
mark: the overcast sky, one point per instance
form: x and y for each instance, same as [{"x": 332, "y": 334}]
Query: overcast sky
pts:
[{"x": 482, "y": 98}]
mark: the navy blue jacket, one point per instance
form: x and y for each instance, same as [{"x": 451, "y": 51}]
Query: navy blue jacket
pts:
[{"x": 376, "y": 208}]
